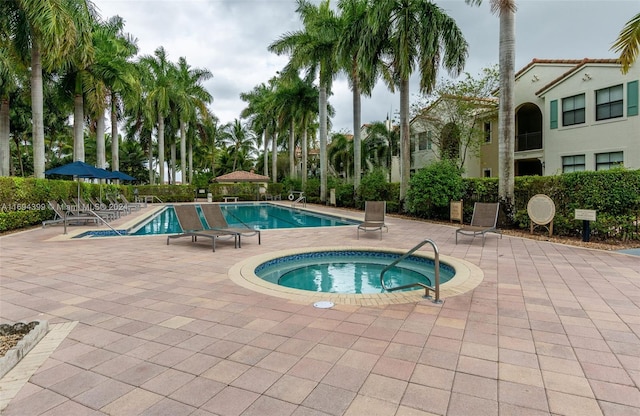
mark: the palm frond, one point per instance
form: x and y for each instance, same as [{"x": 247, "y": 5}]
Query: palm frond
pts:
[{"x": 628, "y": 43}]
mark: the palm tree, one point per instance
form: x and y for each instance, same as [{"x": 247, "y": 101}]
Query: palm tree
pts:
[
  {"x": 314, "y": 49},
  {"x": 379, "y": 145},
  {"x": 45, "y": 34},
  {"x": 261, "y": 115},
  {"x": 191, "y": 97},
  {"x": 506, "y": 10},
  {"x": 412, "y": 33},
  {"x": 240, "y": 141},
  {"x": 362, "y": 75},
  {"x": 113, "y": 66},
  {"x": 158, "y": 99},
  {"x": 628, "y": 43},
  {"x": 341, "y": 154},
  {"x": 8, "y": 85}
]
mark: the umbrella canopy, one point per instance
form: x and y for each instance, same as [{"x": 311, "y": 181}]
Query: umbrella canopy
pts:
[
  {"x": 116, "y": 174},
  {"x": 242, "y": 176},
  {"x": 80, "y": 170}
]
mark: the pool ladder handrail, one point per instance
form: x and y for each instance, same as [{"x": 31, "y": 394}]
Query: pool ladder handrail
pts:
[
  {"x": 301, "y": 199},
  {"x": 427, "y": 288},
  {"x": 68, "y": 217}
]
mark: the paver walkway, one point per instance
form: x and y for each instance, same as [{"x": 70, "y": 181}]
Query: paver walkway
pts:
[{"x": 161, "y": 330}]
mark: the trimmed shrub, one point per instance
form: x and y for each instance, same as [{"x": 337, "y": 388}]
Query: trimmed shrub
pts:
[{"x": 432, "y": 188}]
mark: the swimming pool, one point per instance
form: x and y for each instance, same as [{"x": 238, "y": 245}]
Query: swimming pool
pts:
[
  {"x": 259, "y": 216},
  {"x": 349, "y": 271}
]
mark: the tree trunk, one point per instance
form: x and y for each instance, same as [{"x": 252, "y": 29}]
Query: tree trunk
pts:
[
  {"x": 506, "y": 111},
  {"x": 357, "y": 147},
  {"x": 101, "y": 156},
  {"x": 78, "y": 127},
  {"x": 37, "y": 109},
  {"x": 190, "y": 161},
  {"x": 292, "y": 148},
  {"x": 5, "y": 141},
  {"x": 161, "y": 148},
  {"x": 183, "y": 152},
  {"x": 323, "y": 144},
  {"x": 305, "y": 153},
  {"x": 172, "y": 180},
  {"x": 265, "y": 144},
  {"x": 151, "y": 179},
  {"x": 274, "y": 157},
  {"x": 405, "y": 142},
  {"x": 115, "y": 140}
]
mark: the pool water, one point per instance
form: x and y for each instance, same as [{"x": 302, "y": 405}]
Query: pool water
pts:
[
  {"x": 349, "y": 271},
  {"x": 253, "y": 215}
]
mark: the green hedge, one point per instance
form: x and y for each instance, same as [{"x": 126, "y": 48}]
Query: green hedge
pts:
[
  {"x": 614, "y": 194},
  {"x": 166, "y": 193}
]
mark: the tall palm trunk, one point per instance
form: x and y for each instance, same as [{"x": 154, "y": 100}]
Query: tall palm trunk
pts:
[
  {"x": 274, "y": 157},
  {"x": 37, "y": 108},
  {"x": 405, "y": 147},
  {"x": 265, "y": 144},
  {"x": 183, "y": 151},
  {"x": 323, "y": 143},
  {"x": 172, "y": 180},
  {"x": 357, "y": 158},
  {"x": 506, "y": 112},
  {"x": 78, "y": 122},
  {"x": 101, "y": 156},
  {"x": 161, "y": 147},
  {"x": 191, "y": 161},
  {"x": 292, "y": 143},
  {"x": 305, "y": 153},
  {"x": 5, "y": 143},
  {"x": 115, "y": 140},
  {"x": 150, "y": 152}
]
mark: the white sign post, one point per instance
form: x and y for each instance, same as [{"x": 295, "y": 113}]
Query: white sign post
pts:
[{"x": 586, "y": 215}]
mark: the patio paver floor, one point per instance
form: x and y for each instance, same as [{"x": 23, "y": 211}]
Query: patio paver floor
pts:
[{"x": 551, "y": 330}]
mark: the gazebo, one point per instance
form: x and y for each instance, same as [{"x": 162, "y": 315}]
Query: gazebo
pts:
[{"x": 242, "y": 176}]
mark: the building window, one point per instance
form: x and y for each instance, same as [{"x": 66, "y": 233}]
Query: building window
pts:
[
  {"x": 422, "y": 141},
  {"x": 486, "y": 173},
  {"x": 609, "y": 160},
  {"x": 609, "y": 103},
  {"x": 573, "y": 163},
  {"x": 429, "y": 140},
  {"x": 487, "y": 132},
  {"x": 573, "y": 110}
]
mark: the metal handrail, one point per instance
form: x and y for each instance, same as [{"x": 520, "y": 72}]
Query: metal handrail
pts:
[
  {"x": 71, "y": 217},
  {"x": 427, "y": 288}
]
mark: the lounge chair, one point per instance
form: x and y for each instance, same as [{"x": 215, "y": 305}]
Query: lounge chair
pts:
[
  {"x": 191, "y": 226},
  {"x": 136, "y": 206},
  {"x": 62, "y": 214},
  {"x": 374, "y": 213},
  {"x": 483, "y": 221},
  {"x": 216, "y": 221},
  {"x": 87, "y": 208}
]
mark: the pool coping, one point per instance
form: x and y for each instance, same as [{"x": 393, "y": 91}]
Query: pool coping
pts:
[
  {"x": 467, "y": 277},
  {"x": 74, "y": 233}
]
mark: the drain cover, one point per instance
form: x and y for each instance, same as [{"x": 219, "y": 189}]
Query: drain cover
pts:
[{"x": 323, "y": 304}]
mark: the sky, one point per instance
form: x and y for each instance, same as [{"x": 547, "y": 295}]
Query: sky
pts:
[{"x": 230, "y": 39}]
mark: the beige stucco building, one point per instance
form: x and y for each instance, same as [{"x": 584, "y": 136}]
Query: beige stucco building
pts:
[{"x": 571, "y": 115}]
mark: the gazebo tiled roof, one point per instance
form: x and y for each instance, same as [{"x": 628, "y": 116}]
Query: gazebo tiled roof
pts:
[{"x": 242, "y": 176}]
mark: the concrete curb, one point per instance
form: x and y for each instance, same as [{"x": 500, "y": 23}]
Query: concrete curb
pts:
[{"x": 15, "y": 354}]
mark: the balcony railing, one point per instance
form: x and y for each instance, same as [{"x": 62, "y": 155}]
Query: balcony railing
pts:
[{"x": 529, "y": 141}]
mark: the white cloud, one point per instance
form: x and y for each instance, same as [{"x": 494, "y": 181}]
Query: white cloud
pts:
[{"x": 230, "y": 39}]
